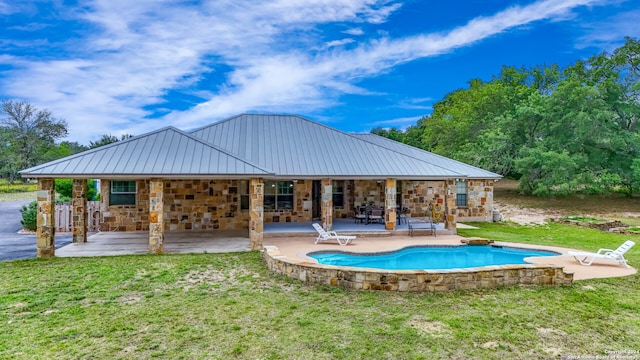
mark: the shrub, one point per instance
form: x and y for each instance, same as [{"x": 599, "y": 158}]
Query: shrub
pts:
[
  {"x": 29, "y": 214},
  {"x": 64, "y": 187}
]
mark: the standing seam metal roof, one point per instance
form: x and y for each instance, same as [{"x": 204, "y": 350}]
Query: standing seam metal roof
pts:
[
  {"x": 163, "y": 152},
  {"x": 258, "y": 145},
  {"x": 293, "y": 146}
]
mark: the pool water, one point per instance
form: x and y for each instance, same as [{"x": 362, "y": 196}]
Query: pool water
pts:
[{"x": 431, "y": 258}]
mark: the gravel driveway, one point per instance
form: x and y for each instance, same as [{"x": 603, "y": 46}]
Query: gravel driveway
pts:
[{"x": 19, "y": 246}]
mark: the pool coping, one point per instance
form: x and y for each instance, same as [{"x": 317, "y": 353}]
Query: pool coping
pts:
[{"x": 289, "y": 257}]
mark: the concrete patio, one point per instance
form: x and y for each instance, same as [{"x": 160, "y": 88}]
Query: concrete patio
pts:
[{"x": 176, "y": 242}]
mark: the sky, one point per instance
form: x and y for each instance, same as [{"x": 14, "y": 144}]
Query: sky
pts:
[{"x": 122, "y": 66}]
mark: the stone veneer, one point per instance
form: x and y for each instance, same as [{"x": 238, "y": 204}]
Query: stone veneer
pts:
[
  {"x": 215, "y": 204},
  {"x": 205, "y": 205},
  {"x": 479, "y": 201},
  {"x": 303, "y": 209},
  {"x": 488, "y": 277},
  {"x": 417, "y": 194},
  {"x": 125, "y": 217},
  {"x": 79, "y": 210},
  {"x": 45, "y": 220}
]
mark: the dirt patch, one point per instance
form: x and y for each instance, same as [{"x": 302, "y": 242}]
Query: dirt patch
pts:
[
  {"x": 432, "y": 328},
  {"x": 524, "y": 215}
]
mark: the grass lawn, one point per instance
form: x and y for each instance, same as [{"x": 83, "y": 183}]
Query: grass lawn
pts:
[
  {"x": 226, "y": 306},
  {"x": 17, "y": 196}
]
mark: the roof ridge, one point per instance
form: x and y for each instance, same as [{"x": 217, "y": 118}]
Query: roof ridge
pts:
[
  {"x": 211, "y": 145},
  {"x": 351, "y": 135}
]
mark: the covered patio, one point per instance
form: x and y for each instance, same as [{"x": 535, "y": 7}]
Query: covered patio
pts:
[{"x": 176, "y": 242}]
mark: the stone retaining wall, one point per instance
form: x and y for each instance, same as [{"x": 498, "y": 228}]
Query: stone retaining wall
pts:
[{"x": 488, "y": 277}]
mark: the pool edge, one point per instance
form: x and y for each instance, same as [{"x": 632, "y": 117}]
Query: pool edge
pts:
[{"x": 486, "y": 277}]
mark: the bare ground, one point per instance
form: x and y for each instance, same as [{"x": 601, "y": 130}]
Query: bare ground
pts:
[{"x": 533, "y": 210}]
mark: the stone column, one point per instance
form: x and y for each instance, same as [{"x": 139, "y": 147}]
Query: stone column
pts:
[
  {"x": 45, "y": 221},
  {"x": 450, "y": 204},
  {"x": 326, "y": 209},
  {"x": 390, "y": 204},
  {"x": 156, "y": 218},
  {"x": 79, "y": 210},
  {"x": 256, "y": 213}
]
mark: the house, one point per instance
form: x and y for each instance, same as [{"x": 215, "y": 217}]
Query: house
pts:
[{"x": 253, "y": 169}]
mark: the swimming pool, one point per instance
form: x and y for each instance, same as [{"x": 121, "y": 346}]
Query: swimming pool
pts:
[
  {"x": 303, "y": 267},
  {"x": 431, "y": 257}
]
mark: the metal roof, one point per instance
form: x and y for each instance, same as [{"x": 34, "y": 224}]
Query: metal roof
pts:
[
  {"x": 269, "y": 146},
  {"x": 292, "y": 146},
  {"x": 469, "y": 170},
  {"x": 166, "y": 152}
]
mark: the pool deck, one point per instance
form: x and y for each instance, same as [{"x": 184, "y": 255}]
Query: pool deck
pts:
[
  {"x": 297, "y": 248},
  {"x": 296, "y": 245}
]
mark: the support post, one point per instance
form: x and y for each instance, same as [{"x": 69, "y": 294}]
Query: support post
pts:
[
  {"x": 79, "y": 210},
  {"x": 156, "y": 218},
  {"x": 45, "y": 220},
  {"x": 451, "y": 208},
  {"x": 390, "y": 204},
  {"x": 256, "y": 213},
  {"x": 326, "y": 210}
]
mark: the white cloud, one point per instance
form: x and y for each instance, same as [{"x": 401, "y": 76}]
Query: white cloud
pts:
[
  {"x": 609, "y": 34},
  {"x": 354, "y": 31},
  {"x": 401, "y": 123},
  {"x": 340, "y": 42},
  {"x": 143, "y": 49}
]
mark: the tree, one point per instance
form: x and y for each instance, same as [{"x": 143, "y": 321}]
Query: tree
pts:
[
  {"x": 28, "y": 133},
  {"x": 560, "y": 131},
  {"x": 107, "y": 139}
]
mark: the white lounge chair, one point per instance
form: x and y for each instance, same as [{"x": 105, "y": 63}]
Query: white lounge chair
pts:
[
  {"x": 331, "y": 235},
  {"x": 587, "y": 258}
]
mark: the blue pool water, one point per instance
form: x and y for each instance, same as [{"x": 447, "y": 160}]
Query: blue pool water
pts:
[{"x": 431, "y": 258}]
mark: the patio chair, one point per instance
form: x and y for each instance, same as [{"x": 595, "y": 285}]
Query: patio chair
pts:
[
  {"x": 587, "y": 258},
  {"x": 359, "y": 216},
  {"x": 376, "y": 216},
  {"x": 331, "y": 235}
]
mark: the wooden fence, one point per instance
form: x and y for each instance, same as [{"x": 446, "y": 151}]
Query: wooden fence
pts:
[{"x": 64, "y": 219}]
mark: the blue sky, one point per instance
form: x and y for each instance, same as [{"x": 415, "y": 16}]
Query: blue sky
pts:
[{"x": 122, "y": 66}]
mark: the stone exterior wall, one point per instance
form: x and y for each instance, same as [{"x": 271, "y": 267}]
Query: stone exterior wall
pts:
[
  {"x": 346, "y": 210},
  {"x": 125, "y": 217},
  {"x": 303, "y": 209},
  {"x": 204, "y": 205},
  {"x": 479, "y": 201},
  {"x": 368, "y": 192},
  {"x": 417, "y": 281},
  {"x": 416, "y": 196}
]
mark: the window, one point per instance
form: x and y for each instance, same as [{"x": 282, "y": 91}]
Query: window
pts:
[
  {"x": 461, "y": 193},
  {"x": 278, "y": 195},
  {"x": 244, "y": 195},
  {"x": 122, "y": 192},
  {"x": 338, "y": 192}
]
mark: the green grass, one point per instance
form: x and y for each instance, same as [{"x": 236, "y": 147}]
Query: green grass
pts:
[
  {"x": 226, "y": 306},
  {"x": 17, "y": 196}
]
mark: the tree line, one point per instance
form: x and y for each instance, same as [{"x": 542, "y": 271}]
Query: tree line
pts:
[
  {"x": 560, "y": 131},
  {"x": 30, "y": 136}
]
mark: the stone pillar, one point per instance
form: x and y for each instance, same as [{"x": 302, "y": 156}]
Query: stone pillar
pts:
[
  {"x": 156, "y": 218},
  {"x": 45, "y": 221},
  {"x": 390, "y": 204},
  {"x": 450, "y": 204},
  {"x": 326, "y": 209},
  {"x": 79, "y": 210},
  {"x": 256, "y": 213}
]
